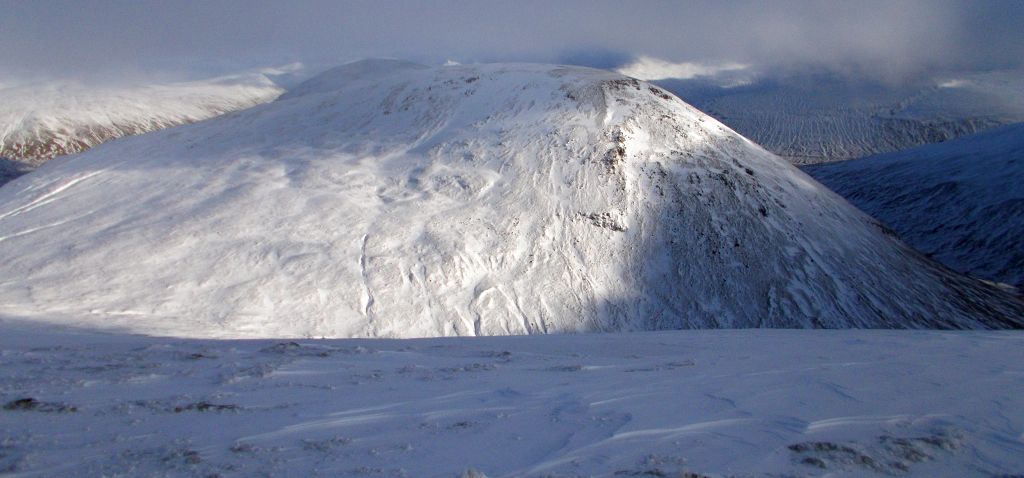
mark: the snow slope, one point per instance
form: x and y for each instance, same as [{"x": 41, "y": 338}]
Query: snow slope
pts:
[
  {"x": 737, "y": 403},
  {"x": 961, "y": 202},
  {"x": 386, "y": 199},
  {"x": 43, "y": 120},
  {"x": 817, "y": 119}
]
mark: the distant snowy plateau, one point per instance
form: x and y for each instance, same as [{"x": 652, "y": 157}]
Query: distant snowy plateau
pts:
[
  {"x": 811, "y": 118},
  {"x": 222, "y": 298}
]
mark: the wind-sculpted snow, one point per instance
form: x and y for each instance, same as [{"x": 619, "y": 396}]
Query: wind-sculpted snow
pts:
[
  {"x": 960, "y": 202},
  {"x": 391, "y": 200},
  {"x": 41, "y": 121},
  {"x": 720, "y": 403}
]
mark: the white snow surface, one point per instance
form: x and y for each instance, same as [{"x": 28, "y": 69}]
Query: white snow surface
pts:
[
  {"x": 386, "y": 199},
  {"x": 811, "y": 119},
  {"x": 39, "y": 121},
  {"x": 961, "y": 202},
  {"x": 721, "y": 403}
]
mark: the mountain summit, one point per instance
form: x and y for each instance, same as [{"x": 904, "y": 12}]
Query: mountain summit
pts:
[{"x": 387, "y": 199}]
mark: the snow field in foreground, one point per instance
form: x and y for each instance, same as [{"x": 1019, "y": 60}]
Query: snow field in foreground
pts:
[{"x": 717, "y": 403}]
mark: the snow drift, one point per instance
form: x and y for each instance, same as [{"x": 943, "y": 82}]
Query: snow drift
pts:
[
  {"x": 960, "y": 202},
  {"x": 708, "y": 403},
  {"x": 386, "y": 199}
]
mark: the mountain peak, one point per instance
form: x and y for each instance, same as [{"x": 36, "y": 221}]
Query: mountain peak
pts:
[{"x": 394, "y": 200}]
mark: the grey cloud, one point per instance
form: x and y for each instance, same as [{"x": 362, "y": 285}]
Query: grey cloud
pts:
[{"x": 885, "y": 39}]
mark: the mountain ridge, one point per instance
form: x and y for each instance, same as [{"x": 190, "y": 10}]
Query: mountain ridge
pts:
[{"x": 41, "y": 121}]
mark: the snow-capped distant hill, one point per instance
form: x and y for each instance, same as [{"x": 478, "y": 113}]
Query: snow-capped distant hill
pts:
[
  {"x": 961, "y": 202},
  {"x": 42, "y": 121},
  {"x": 813, "y": 120},
  {"x": 391, "y": 200}
]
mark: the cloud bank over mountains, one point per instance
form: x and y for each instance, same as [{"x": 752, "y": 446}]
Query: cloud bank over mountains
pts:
[
  {"x": 650, "y": 69},
  {"x": 889, "y": 41}
]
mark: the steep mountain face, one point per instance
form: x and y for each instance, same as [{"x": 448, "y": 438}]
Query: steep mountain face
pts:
[
  {"x": 960, "y": 202},
  {"x": 815, "y": 120},
  {"x": 41, "y": 121},
  {"x": 385, "y": 199}
]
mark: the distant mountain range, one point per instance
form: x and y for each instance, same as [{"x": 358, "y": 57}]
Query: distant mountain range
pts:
[{"x": 815, "y": 118}]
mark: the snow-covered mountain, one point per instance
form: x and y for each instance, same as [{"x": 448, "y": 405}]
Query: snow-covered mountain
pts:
[
  {"x": 40, "y": 121},
  {"x": 819, "y": 119},
  {"x": 961, "y": 202},
  {"x": 389, "y": 199}
]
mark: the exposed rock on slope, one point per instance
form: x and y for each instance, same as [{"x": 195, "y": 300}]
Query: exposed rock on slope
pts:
[
  {"x": 961, "y": 202},
  {"x": 388, "y": 199}
]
